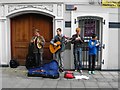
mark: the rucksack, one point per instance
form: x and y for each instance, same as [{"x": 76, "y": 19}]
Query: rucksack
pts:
[
  {"x": 30, "y": 61},
  {"x": 14, "y": 63},
  {"x": 30, "y": 58},
  {"x": 69, "y": 75}
]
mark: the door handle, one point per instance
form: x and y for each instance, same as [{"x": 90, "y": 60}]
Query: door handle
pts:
[
  {"x": 102, "y": 61},
  {"x": 103, "y": 46}
]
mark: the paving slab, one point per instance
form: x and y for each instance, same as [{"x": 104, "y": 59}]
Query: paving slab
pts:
[
  {"x": 114, "y": 84},
  {"x": 36, "y": 84},
  {"x": 23, "y": 83},
  {"x": 63, "y": 84},
  {"x": 17, "y": 78},
  {"x": 49, "y": 84},
  {"x": 77, "y": 84},
  {"x": 104, "y": 85},
  {"x": 91, "y": 84}
]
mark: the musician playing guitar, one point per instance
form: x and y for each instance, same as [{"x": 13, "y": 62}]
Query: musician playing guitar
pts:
[{"x": 57, "y": 41}]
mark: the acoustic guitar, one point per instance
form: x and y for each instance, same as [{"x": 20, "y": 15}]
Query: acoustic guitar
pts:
[
  {"x": 54, "y": 48},
  {"x": 60, "y": 45}
]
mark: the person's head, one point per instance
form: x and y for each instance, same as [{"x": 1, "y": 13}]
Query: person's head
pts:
[
  {"x": 78, "y": 31},
  {"x": 36, "y": 32},
  {"x": 59, "y": 31},
  {"x": 94, "y": 37}
]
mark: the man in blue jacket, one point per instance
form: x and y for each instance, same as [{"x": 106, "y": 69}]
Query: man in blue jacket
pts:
[{"x": 93, "y": 45}]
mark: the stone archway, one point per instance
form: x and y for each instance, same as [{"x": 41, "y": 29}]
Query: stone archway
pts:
[
  {"x": 22, "y": 28},
  {"x": 9, "y": 11}
]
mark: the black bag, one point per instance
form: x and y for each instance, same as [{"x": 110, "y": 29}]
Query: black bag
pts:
[
  {"x": 14, "y": 63},
  {"x": 30, "y": 61}
]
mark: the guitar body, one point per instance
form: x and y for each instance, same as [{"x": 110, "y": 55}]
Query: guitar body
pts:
[
  {"x": 53, "y": 48},
  {"x": 60, "y": 45}
]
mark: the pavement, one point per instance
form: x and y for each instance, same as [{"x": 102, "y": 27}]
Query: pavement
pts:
[{"x": 17, "y": 78}]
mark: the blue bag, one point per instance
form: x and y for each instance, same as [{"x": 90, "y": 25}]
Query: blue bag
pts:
[{"x": 49, "y": 70}]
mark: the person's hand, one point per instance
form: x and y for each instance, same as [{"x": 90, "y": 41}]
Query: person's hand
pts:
[
  {"x": 78, "y": 38},
  {"x": 55, "y": 44},
  {"x": 92, "y": 43},
  {"x": 97, "y": 44},
  {"x": 32, "y": 41}
]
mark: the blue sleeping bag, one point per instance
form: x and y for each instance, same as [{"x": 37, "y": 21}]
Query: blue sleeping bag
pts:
[{"x": 49, "y": 70}]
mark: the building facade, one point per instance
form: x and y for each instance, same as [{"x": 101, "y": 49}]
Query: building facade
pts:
[{"x": 18, "y": 18}]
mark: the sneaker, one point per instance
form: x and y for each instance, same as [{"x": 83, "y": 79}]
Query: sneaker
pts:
[
  {"x": 81, "y": 72},
  {"x": 93, "y": 72},
  {"x": 61, "y": 70},
  {"x": 89, "y": 72},
  {"x": 75, "y": 70}
]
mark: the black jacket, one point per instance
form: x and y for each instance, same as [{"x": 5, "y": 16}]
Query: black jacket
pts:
[{"x": 77, "y": 43}]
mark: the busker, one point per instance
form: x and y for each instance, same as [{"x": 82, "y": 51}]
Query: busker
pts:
[
  {"x": 58, "y": 54},
  {"x": 78, "y": 41},
  {"x": 93, "y": 45},
  {"x": 38, "y": 42}
]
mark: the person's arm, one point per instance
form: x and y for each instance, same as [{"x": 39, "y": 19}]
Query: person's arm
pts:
[
  {"x": 82, "y": 40},
  {"x": 73, "y": 39},
  {"x": 52, "y": 41},
  {"x": 33, "y": 39},
  {"x": 43, "y": 40}
]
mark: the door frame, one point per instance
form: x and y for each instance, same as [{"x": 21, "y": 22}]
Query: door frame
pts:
[
  {"x": 8, "y": 25},
  {"x": 105, "y": 16}
]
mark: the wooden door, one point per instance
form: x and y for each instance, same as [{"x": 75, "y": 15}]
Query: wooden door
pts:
[{"x": 22, "y": 28}]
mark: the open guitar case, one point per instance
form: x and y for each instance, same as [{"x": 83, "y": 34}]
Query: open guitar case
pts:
[{"x": 48, "y": 70}]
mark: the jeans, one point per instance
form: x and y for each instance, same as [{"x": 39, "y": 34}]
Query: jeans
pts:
[
  {"x": 58, "y": 56},
  {"x": 92, "y": 59},
  {"x": 77, "y": 58}
]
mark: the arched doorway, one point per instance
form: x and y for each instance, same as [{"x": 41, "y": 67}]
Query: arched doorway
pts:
[{"x": 22, "y": 28}]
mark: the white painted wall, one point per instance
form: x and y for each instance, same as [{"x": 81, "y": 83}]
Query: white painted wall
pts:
[
  {"x": 113, "y": 42},
  {"x": 8, "y": 11},
  {"x": 82, "y": 7},
  {"x": 45, "y": 1},
  {"x": 0, "y": 43},
  {"x": 113, "y": 49},
  {"x": 111, "y": 53}
]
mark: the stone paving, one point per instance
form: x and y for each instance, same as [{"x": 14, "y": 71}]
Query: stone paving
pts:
[{"x": 17, "y": 78}]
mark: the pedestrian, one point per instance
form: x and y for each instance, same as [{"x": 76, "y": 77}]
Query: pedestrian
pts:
[
  {"x": 59, "y": 54},
  {"x": 38, "y": 44},
  {"x": 78, "y": 41},
  {"x": 93, "y": 46}
]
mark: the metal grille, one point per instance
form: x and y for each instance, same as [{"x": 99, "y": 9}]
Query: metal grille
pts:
[{"x": 90, "y": 25}]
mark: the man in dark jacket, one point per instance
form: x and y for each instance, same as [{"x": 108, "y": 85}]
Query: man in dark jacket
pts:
[
  {"x": 38, "y": 42},
  {"x": 77, "y": 40}
]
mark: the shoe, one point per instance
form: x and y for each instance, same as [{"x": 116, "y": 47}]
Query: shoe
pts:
[
  {"x": 81, "y": 72},
  {"x": 61, "y": 70},
  {"x": 89, "y": 72},
  {"x": 75, "y": 70},
  {"x": 93, "y": 72}
]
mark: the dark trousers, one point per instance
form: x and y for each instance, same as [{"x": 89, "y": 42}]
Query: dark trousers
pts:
[
  {"x": 92, "y": 59},
  {"x": 38, "y": 59}
]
